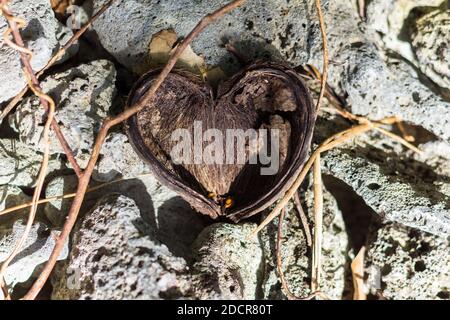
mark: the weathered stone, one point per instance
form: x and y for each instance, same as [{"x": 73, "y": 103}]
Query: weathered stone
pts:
[
  {"x": 113, "y": 257},
  {"x": 11, "y": 196},
  {"x": 83, "y": 94},
  {"x": 403, "y": 263},
  {"x": 147, "y": 240},
  {"x": 259, "y": 28},
  {"x": 393, "y": 18},
  {"x": 35, "y": 251},
  {"x": 228, "y": 265},
  {"x": 20, "y": 164},
  {"x": 296, "y": 255},
  {"x": 118, "y": 159},
  {"x": 398, "y": 188},
  {"x": 431, "y": 46},
  {"x": 43, "y": 35}
]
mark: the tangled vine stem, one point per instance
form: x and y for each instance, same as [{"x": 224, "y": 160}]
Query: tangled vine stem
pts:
[
  {"x": 83, "y": 181},
  {"x": 284, "y": 284},
  {"x": 39, "y": 184},
  {"x": 56, "y": 57},
  {"x": 25, "y": 56},
  {"x": 14, "y": 24}
]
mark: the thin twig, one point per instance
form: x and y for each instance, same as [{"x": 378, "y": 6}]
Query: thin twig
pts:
[
  {"x": 76, "y": 36},
  {"x": 39, "y": 184},
  {"x": 323, "y": 31},
  {"x": 68, "y": 195},
  {"x": 107, "y": 124},
  {"x": 284, "y": 283},
  {"x": 25, "y": 57},
  {"x": 303, "y": 219},
  {"x": 328, "y": 144},
  {"x": 399, "y": 139},
  {"x": 318, "y": 222},
  {"x": 408, "y": 137}
]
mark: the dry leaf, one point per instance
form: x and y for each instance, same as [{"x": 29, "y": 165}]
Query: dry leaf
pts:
[
  {"x": 357, "y": 267},
  {"x": 162, "y": 45}
]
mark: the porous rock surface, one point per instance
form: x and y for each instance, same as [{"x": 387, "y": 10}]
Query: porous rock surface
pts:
[
  {"x": 393, "y": 188},
  {"x": 114, "y": 257},
  {"x": 20, "y": 163},
  {"x": 43, "y": 34},
  {"x": 36, "y": 249},
  {"x": 404, "y": 263},
  {"x": 228, "y": 264},
  {"x": 296, "y": 254},
  {"x": 139, "y": 244},
  {"x": 84, "y": 95}
]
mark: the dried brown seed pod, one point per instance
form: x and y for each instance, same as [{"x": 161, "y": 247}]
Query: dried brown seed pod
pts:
[{"x": 263, "y": 96}]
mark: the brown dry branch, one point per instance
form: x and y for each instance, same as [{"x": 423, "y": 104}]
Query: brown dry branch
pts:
[
  {"x": 318, "y": 222},
  {"x": 49, "y": 64},
  {"x": 284, "y": 284},
  {"x": 83, "y": 181},
  {"x": 303, "y": 219},
  {"x": 68, "y": 195},
  {"x": 324, "y": 77},
  {"x": 55, "y": 58},
  {"x": 362, "y": 9},
  {"x": 39, "y": 185},
  {"x": 318, "y": 200},
  {"x": 25, "y": 56}
]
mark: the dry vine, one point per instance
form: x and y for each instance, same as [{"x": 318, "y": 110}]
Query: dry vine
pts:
[
  {"x": 84, "y": 179},
  {"x": 364, "y": 125}
]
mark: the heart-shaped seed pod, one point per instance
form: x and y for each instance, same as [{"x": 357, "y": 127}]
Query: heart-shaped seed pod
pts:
[{"x": 233, "y": 155}]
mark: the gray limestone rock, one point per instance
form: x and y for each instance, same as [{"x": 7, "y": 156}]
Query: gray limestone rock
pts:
[
  {"x": 404, "y": 263},
  {"x": 20, "y": 164},
  {"x": 84, "y": 96},
  {"x": 43, "y": 34},
  {"x": 118, "y": 159},
  {"x": 431, "y": 46},
  {"x": 228, "y": 265},
  {"x": 296, "y": 255},
  {"x": 114, "y": 257},
  {"x": 35, "y": 251}
]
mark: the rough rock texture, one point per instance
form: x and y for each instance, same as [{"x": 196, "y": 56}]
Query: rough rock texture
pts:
[
  {"x": 398, "y": 188},
  {"x": 20, "y": 164},
  {"x": 118, "y": 159},
  {"x": 43, "y": 35},
  {"x": 11, "y": 196},
  {"x": 296, "y": 255},
  {"x": 258, "y": 28},
  {"x": 115, "y": 258},
  {"x": 394, "y": 89},
  {"x": 56, "y": 210},
  {"x": 412, "y": 264},
  {"x": 432, "y": 48},
  {"x": 287, "y": 30},
  {"x": 36, "y": 250},
  {"x": 139, "y": 244},
  {"x": 83, "y": 94},
  {"x": 228, "y": 265},
  {"x": 392, "y": 19}
]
